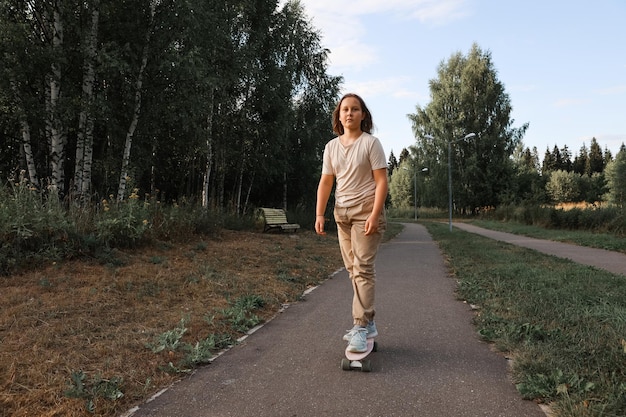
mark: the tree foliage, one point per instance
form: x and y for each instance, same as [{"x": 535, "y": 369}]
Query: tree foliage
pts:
[
  {"x": 563, "y": 186},
  {"x": 401, "y": 187},
  {"x": 467, "y": 97},
  {"x": 229, "y": 100},
  {"x": 616, "y": 178}
]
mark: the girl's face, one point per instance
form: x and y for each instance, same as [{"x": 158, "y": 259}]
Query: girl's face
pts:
[{"x": 351, "y": 114}]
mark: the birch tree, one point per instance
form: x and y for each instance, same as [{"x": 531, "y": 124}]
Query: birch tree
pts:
[
  {"x": 84, "y": 143},
  {"x": 55, "y": 125},
  {"x": 236, "y": 108},
  {"x": 33, "y": 178}
]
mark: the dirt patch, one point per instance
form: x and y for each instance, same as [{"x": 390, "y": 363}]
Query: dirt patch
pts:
[{"x": 86, "y": 327}]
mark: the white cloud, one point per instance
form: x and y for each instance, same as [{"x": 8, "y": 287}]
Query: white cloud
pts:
[
  {"x": 394, "y": 87},
  {"x": 409, "y": 94},
  {"x": 611, "y": 141},
  {"x": 342, "y": 27},
  {"x": 423, "y": 10},
  {"x": 439, "y": 12},
  {"x": 351, "y": 56}
]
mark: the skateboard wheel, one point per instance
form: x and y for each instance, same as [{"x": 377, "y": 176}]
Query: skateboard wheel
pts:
[
  {"x": 345, "y": 365},
  {"x": 375, "y": 349},
  {"x": 366, "y": 366}
]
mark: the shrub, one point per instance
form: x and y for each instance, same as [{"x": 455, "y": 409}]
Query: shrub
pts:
[{"x": 33, "y": 227}]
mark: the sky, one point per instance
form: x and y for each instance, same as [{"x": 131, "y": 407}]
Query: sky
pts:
[{"x": 562, "y": 62}]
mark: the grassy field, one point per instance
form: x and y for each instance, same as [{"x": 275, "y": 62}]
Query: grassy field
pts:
[
  {"x": 563, "y": 324},
  {"x": 94, "y": 338}
]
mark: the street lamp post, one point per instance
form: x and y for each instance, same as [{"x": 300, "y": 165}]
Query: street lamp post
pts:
[
  {"x": 468, "y": 136},
  {"x": 415, "y": 189},
  {"x": 414, "y": 194}
]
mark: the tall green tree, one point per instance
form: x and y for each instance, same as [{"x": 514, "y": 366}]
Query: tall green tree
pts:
[
  {"x": 581, "y": 163},
  {"x": 392, "y": 164},
  {"x": 596, "y": 158},
  {"x": 529, "y": 182},
  {"x": 401, "y": 185},
  {"x": 467, "y": 96},
  {"x": 566, "y": 159},
  {"x": 616, "y": 178},
  {"x": 550, "y": 163}
]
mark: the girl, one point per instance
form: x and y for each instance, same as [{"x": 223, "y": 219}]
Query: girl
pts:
[{"x": 356, "y": 161}]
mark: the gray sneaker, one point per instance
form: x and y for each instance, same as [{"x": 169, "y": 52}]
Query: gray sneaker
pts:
[
  {"x": 371, "y": 331},
  {"x": 358, "y": 341}
]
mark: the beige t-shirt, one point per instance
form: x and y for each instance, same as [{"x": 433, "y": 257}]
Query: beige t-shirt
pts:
[{"x": 352, "y": 168}]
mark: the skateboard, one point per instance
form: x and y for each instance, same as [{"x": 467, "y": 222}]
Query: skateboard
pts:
[{"x": 357, "y": 361}]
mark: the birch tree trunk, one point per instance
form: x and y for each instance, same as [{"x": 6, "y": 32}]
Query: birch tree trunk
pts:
[
  {"x": 28, "y": 154},
  {"x": 121, "y": 191},
  {"x": 209, "y": 152},
  {"x": 57, "y": 138},
  {"x": 84, "y": 145},
  {"x": 26, "y": 138},
  {"x": 220, "y": 179}
]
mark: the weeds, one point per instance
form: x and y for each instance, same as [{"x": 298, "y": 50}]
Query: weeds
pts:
[
  {"x": 97, "y": 387},
  {"x": 169, "y": 340},
  {"x": 36, "y": 228},
  {"x": 241, "y": 314}
]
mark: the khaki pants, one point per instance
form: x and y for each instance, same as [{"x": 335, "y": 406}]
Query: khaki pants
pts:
[{"x": 359, "y": 255}]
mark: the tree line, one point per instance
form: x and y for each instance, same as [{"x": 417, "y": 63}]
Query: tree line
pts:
[
  {"x": 593, "y": 175},
  {"x": 227, "y": 103},
  {"x": 492, "y": 167}
]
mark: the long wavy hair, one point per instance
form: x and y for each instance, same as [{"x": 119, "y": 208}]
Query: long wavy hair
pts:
[{"x": 367, "y": 124}]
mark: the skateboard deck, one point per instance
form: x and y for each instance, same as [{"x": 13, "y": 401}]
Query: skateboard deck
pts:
[{"x": 357, "y": 361}]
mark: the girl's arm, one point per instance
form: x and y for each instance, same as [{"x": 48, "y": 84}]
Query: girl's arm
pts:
[
  {"x": 380, "y": 178},
  {"x": 323, "y": 193}
]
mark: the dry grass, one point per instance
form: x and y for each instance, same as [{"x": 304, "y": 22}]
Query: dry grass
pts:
[{"x": 86, "y": 316}]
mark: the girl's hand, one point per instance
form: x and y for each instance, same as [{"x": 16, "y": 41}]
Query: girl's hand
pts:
[
  {"x": 319, "y": 225},
  {"x": 371, "y": 225}
]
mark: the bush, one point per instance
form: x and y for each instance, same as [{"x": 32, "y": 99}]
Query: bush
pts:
[
  {"x": 610, "y": 219},
  {"x": 525, "y": 214},
  {"x": 33, "y": 227},
  {"x": 36, "y": 227}
]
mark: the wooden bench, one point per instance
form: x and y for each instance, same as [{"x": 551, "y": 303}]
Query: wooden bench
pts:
[{"x": 276, "y": 219}]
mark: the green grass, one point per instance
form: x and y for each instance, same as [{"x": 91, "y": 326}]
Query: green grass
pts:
[
  {"x": 583, "y": 238},
  {"x": 563, "y": 324}
]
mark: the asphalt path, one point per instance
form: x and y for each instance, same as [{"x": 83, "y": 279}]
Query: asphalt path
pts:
[
  {"x": 430, "y": 361},
  {"x": 614, "y": 262}
]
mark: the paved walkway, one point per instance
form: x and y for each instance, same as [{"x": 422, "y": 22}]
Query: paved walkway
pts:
[
  {"x": 430, "y": 361},
  {"x": 614, "y": 262}
]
